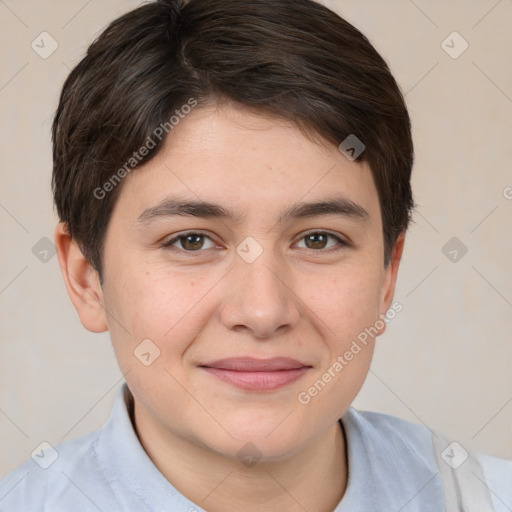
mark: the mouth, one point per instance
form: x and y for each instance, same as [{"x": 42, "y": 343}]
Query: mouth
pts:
[{"x": 256, "y": 374}]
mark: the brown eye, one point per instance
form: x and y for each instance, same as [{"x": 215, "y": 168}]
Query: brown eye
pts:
[
  {"x": 316, "y": 241},
  {"x": 190, "y": 242},
  {"x": 320, "y": 240}
]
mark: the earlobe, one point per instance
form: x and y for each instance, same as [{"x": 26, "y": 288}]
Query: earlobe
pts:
[
  {"x": 81, "y": 280},
  {"x": 389, "y": 282}
]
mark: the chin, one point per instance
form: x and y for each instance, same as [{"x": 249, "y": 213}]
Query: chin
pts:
[
  {"x": 250, "y": 450},
  {"x": 263, "y": 439}
]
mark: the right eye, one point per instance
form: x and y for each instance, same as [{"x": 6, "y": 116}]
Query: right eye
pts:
[{"x": 191, "y": 241}]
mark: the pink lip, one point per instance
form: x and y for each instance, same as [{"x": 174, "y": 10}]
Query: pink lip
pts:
[{"x": 257, "y": 374}]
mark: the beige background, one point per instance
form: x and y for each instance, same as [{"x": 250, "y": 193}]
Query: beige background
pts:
[{"x": 446, "y": 358}]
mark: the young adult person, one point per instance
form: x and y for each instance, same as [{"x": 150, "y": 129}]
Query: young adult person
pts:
[{"x": 233, "y": 185}]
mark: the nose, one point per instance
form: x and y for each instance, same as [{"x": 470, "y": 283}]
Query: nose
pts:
[{"x": 259, "y": 298}]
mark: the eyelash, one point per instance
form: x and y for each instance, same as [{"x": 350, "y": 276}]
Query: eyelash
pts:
[{"x": 169, "y": 243}]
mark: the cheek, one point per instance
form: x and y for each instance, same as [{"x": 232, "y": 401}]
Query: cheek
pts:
[
  {"x": 155, "y": 323},
  {"x": 345, "y": 303},
  {"x": 156, "y": 305},
  {"x": 346, "y": 309}
]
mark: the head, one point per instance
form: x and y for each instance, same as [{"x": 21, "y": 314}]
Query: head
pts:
[{"x": 188, "y": 144}]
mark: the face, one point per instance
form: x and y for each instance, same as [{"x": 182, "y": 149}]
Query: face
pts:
[{"x": 235, "y": 322}]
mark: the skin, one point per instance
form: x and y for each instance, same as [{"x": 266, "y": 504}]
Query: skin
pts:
[{"x": 299, "y": 300}]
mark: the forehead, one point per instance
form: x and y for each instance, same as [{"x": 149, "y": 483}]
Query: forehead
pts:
[{"x": 253, "y": 164}]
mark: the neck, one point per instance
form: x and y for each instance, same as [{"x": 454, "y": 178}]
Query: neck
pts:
[{"x": 313, "y": 479}]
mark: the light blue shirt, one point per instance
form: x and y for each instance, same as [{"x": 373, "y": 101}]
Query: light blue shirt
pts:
[{"x": 391, "y": 467}]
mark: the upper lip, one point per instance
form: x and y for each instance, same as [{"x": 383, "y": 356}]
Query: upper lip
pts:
[{"x": 252, "y": 364}]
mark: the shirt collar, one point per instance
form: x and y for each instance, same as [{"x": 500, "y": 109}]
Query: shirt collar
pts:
[
  {"x": 391, "y": 465},
  {"x": 125, "y": 461}
]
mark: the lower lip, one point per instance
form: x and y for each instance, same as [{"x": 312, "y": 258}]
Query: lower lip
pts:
[{"x": 257, "y": 381}]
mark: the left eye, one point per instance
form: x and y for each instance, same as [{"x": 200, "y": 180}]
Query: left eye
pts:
[
  {"x": 194, "y": 242},
  {"x": 319, "y": 240}
]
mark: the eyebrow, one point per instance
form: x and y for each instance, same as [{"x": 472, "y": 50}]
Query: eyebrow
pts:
[{"x": 171, "y": 207}]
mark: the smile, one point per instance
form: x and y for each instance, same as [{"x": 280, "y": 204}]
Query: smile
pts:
[{"x": 257, "y": 374}]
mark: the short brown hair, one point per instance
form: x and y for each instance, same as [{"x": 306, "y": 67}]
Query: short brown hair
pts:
[{"x": 294, "y": 59}]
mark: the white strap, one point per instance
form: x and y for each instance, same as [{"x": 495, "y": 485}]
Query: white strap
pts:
[{"x": 464, "y": 484}]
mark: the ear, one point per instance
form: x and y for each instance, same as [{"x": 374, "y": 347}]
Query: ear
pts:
[
  {"x": 389, "y": 281},
  {"x": 81, "y": 280}
]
